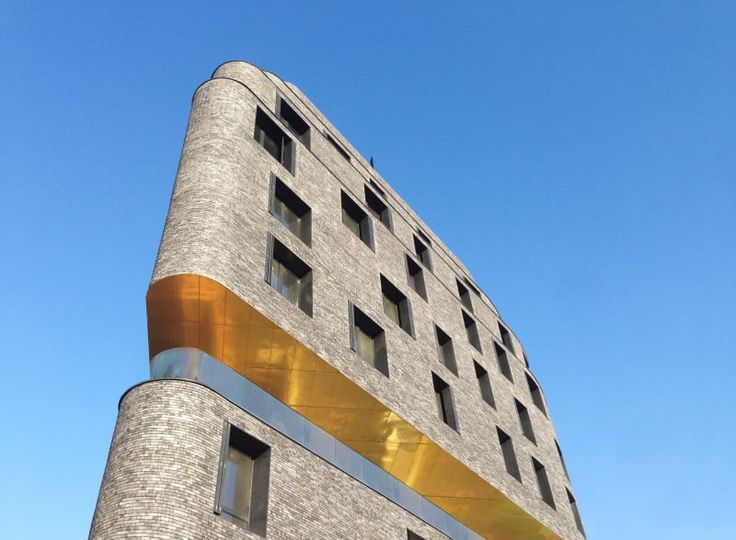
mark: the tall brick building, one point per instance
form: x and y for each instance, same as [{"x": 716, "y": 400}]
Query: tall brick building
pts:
[{"x": 322, "y": 366}]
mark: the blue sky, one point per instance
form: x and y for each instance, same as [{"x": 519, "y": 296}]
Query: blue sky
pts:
[{"x": 580, "y": 159}]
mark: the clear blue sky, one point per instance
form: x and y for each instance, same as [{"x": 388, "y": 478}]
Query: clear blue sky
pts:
[{"x": 580, "y": 160}]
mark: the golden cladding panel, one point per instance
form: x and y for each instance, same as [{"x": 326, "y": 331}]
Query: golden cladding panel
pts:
[{"x": 194, "y": 311}]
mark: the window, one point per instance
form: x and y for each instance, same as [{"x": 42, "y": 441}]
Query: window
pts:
[
  {"x": 462, "y": 290},
  {"x": 503, "y": 362},
  {"x": 443, "y": 399},
  {"x": 543, "y": 482},
  {"x": 355, "y": 219},
  {"x": 472, "y": 330},
  {"x": 562, "y": 459},
  {"x": 378, "y": 208},
  {"x": 396, "y": 306},
  {"x": 509, "y": 456},
  {"x": 415, "y": 276},
  {"x": 575, "y": 512},
  {"x": 411, "y": 535},
  {"x": 484, "y": 383},
  {"x": 506, "y": 337},
  {"x": 422, "y": 251},
  {"x": 472, "y": 287},
  {"x": 289, "y": 275},
  {"x": 274, "y": 140},
  {"x": 377, "y": 188},
  {"x": 444, "y": 349},
  {"x": 368, "y": 340},
  {"x": 290, "y": 210},
  {"x": 525, "y": 421},
  {"x": 536, "y": 394},
  {"x": 336, "y": 145},
  {"x": 293, "y": 121},
  {"x": 242, "y": 484}
]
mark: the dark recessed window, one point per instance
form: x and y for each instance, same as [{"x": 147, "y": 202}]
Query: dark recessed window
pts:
[
  {"x": 242, "y": 483},
  {"x": 472, "y": 287},
  {"x": 526, "y": 360},
  {"x": 445, "y": 350},
  {"x": 356, "y": 219},
  {"x": 289, "y": 275},
  {"x": 509, "y": 456},
  {"x": 562, "y": 459},
  {"x": 525, "y": 421},
  {"x": 503, "y": 362},
  {"x": 368, "y": 340},
  {"x": 293, "y": 121},
  {"x": 290, "y": 210},
  {"x": 506, "y": 337},
  {"x": 274, "y": 140},
  {"x": 377, "y": 188},
  {"x": 415, "y": 276},
  {"x": 411, "y": 535},
  {"x": 464, "y": 293},
  {"x": 337, "y": 146},
  {"x": 422, "y": 251},
  {"x": 472, "y": 330},
  {"x": 443, "y": 399},
  {"x": 536, "y": 394},
  {"x": 396, "y": 306},
  {"x": 484, "y": 383},
  {"x": 575, "y": 512},
  {"x": 543, "y": 482},
  {"x": 378, "y": 208}
]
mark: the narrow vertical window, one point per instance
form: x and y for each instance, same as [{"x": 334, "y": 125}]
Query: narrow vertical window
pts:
[
  {"x": 289, "y": 275},
  {"x": 290, "y": 210},
  {"x": 396, "y": 306},
  {"x": 269, "y": 135},
  {"x": 464, "y": 293},
  {"x": 484, "y": 383},
  {"x": 543, "y": 482},
  {"x": 444, "y": 402},
  {"x": 355, "y": 219},
  {"x": 471, "y": 328},
  {"x": 378, "y": 208},
  {"x": 368, "y": 340},
  {"x": 445, "y": 350},
  {"x": 506, "y": 337},
  {"x": 422, "y": 251},
  {"x": 575, "y": 512},
  {"x": 503, "y": 362},
  {"x": 415, "y": 277},
  {"x": 562, "y": 459},
  {"x": 525, "y": 421},
  {"x": 242, "y": 484},
  {"x": 536, "y": 394},
  {"x": 509, "y": 456},
  {"x": 296, "y": 124}
]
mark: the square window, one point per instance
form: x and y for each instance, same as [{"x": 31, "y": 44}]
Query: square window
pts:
[
  {"x": 445, "y": 350},
  {"x": 506, "y": 337},
  {"x": 422, "y": 251},
  {"x": 484, "y": 383},
  {"x": 356, "y": 219},
  {"x": 296, "y": 124},
  {"x": 503, "y": 362},
  {"x": 337, "y": 146},
  {"x": 290, "y": 210},
  {"x": 277, "y": 143},
  {"x": 509, "y": 456},
  {"x": 525, "y": 421},
  {"x": 536, "y": 394},
  {"x": 471, "y": 328},
  {"x": 368, "y": 340},
  {"x": 242, "y": 483},
  {"x": 415, "y": 277},
  {"x": 444, "y": 402},
  {"x": 289, "y": 275},
  {"x": 543, "y": 482},
  {"x": 396, "y": 306},
  {"x": 464, "y": 293},
  {"x": 378, "y": 208}
]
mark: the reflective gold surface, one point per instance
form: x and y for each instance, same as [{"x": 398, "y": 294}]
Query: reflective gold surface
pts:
[{"x": 194, "y": 311}]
